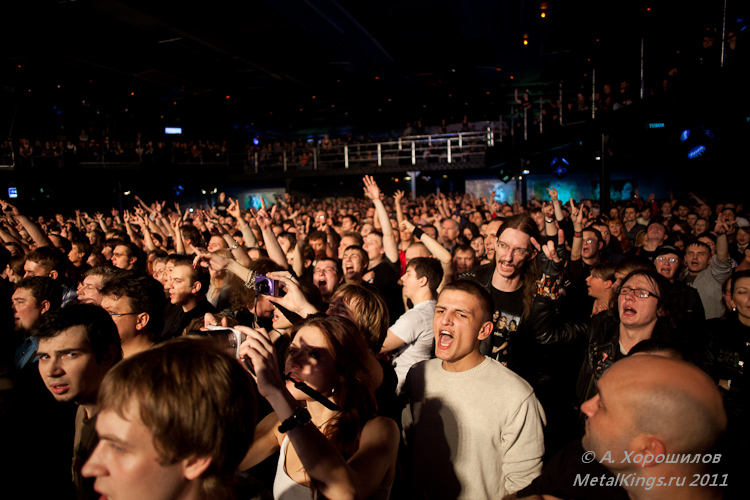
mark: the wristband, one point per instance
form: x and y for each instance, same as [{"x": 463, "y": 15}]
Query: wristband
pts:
[
  {"x": 549, "y": 221},
  {"x": 417, "y": 232},
  {"x": 578, "y": 234},
  {"x": 299, "y": 418}
]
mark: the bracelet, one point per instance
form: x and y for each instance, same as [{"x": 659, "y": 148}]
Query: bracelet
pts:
[
  {"x": 299, "y": 418},
  {"x": 417, "y": 232},
  {"x": 234, "y": 247},
  {"x": 250, "y": 283},
  {"x": 578, "y": 234},
  {"x": 549, "y": 221}
]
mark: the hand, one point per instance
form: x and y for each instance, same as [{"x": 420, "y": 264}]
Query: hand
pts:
[
  {"x": 177, "y": 207},
  {"x": 294, "y": 300},
  {"x": 397, "y": 196},
  {"x": 262, "y": 217},
  {"x": 552, "y": 193},
  {"x": 407, "y": 226},
  {"x": 721, "y": 227},
  {"x": 372, "y": 191},
  {"x": 577, "y": 215},
  {"x": 234, "y": 209},
  {"x": 651, "y": 197},
  {"x": 126, "y": 217},
  {"x": 210, "y": 260},
  {"x": 552, "y": 257},
  {"x": 115, "y": 213},
  {"x": 99, "y": 216},
  {"x": 260, "y": 351}
]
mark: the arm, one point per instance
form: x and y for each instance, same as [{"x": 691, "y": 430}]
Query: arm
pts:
[
  {"x": 148, "y": 240},
  {"x": 391, "y": 342},
  {"x": 397, "y": 205},
  {"x": 269, "y": 237},
  {"x": 247, "y": 234},
  {"x": 722, "y": 245},
  {"x": 389, "y": 242},
  {"x": 266, "y": 442},
  {"x": 35, "y": 232},
  {"x": 178, "y": 245},
  {"x": 131, "y": 233},
  {"x": 577, "y": 217}
]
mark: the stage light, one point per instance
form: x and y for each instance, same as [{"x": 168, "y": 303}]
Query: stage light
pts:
[
  {"x": 684, "y": 135},
  {"x": 696, "y": 151}
]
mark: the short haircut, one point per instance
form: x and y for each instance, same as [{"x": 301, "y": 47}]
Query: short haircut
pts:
[
  {"x": 336, "y": 264},
  {"x": 106, "y": 272},
  {"x": 317, "y": 236},
  {"x": 197, "y": 273},
  {"x": 371, "y": 312},
  {"x": 43, "y": 288},
  {"x": 145, "y": 293},
  {"x": 633, "y": 263},
  {"x": 362, "y": 254},
  {"x": 482, "y": 296},
  {"x": 83, "y": 247},
  {"x": 604, "y": 271},
  {"x": 290, "y": 237},
  {"x": 426, "y": 267},
  {"x": 699, "y": 244},
  {"x": 49, "y": 257},
  {"x": 101, "y": 331},
  {"x": 352, "y": 218},
  {"x": 351, "y": 234},
  {"x": 196, "y": 401}
]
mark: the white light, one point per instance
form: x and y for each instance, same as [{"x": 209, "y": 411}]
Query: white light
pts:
[
  {"x": 126, "y": 193},
  {"x": 526, "y": 172},
  {"x": 598, "y": 158},
  {"x": 203, "y": 191}
]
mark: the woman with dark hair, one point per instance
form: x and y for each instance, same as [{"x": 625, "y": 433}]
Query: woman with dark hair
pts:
[
  {"x": 336, "y": 446},
  {"x": 640, "y": 309}
]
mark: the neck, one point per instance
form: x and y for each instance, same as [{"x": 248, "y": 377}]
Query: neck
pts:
[
  {"x": 375, "y": 262},
  {"x": 629, "y": 224},
  {"x": 507, "y": 284},
  {"x": 135, "y": 344},
  {"x": 652, "y": 245},
  {"x": 631, "y": 336},
  {"x": 591, "y": 261},
  {"x": 321, "y": 416},
  {"x": 90, "y": 409},
  {"x": 354, "y": 281},
  {"x": 466, "y": 363},
  {"x": 420, "y": 296},
  {"x": 191, "y": 303}
]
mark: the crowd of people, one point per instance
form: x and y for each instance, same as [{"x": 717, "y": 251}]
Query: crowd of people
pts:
[{"x": 388, "y": 346}]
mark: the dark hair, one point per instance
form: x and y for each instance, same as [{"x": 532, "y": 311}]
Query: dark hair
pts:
[
  {"x": 354, "y": 220},
  {"x": 198, "y": 274},
  {"x": 4, "y": 257},
  {"x": 632, "y": 264},
  {"x": 49, "y": 257},
  {"x": 42, "y": 288},
  {"x": 196, "y": 401},
  {"x": 604, "y": 271},
  {"x": 242, "y": 297},
  {"x": 84, "y": 247},
  {"x": 190, "y": 232},
  {"x": 317, "y": 236},
  {"x": 101, "y": 331},
  {"x": 352, "y": 393},
  {"x": 363, "y": 255},
  {"x": 352, "y": 234},
  {"x": 738, "y": 276},
  {"x": 145, "y": 293},
  {"x": 532, "y": 270},
  {"x": 667, "y": 311},
  {"x": 662, "y": 347},
  {"x": 429, "y": 268},
  {"x": 594, "y": 230},
  {"x": 480, "y": 293}
]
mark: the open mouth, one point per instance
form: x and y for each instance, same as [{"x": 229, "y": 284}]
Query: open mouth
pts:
[
  {"x": 445, "y": 340},
  {"x": 59, "y": 388}
]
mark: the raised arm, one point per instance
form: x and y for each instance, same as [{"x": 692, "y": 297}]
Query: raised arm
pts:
[
  {"x": 31, "y": 227},
  {"x": 576, "y": 215},
  {"x": 372, "y": 191},
  {"x": 247, "y": 234},
  {"x": 269, "y": 237}
]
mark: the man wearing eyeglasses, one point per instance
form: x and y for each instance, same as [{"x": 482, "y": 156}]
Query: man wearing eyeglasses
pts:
[
  {"x": 136, "y": 303},
  {"x": 668, "y": 263}
]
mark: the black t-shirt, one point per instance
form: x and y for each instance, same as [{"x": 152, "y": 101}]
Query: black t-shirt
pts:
[{"x": 506, "y": 317}]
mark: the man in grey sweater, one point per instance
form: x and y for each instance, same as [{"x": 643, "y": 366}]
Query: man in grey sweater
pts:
[{"x": 472, "y": 427}]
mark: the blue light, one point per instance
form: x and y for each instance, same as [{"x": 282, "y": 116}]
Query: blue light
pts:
[
  {"x": 696, "y": 151},
  {"x": 560, "y": 171},
  {"x": 565, "y": 161},
  {"x": 685, "y": 134},
  {"x": 553, "y": 162},
  {"x": 256, "y": 141}
]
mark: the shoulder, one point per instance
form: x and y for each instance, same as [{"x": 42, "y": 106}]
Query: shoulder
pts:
[
  {"x": 479, "y": 273},
  {"x": 381, "y": 428}
]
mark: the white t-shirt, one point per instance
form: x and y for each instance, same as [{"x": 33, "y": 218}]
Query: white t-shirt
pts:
[{"x": 414, "y": 327}]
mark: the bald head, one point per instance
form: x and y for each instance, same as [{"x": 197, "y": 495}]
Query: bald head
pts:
[{"x": 659, "y": 392}]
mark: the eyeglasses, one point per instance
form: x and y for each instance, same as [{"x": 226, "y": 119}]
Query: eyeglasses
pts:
[
  {"x": 517, "y": 252},
  {"x": 589, "y": 241},
  {"x": 638, "y": 292},
  {"x": 671, "y": 260},
  {"x": 117, "y": 315}
]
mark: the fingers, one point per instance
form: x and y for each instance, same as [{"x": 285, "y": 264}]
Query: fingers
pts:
[
  {"x": 536, "y": 244},
  {"x": 560, "y": 237}
]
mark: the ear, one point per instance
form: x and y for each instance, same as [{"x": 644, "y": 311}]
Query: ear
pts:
[
  {"x": 193, "y": 467},
  {"x": 133, "y": 259},
  {"x": 109, "y": 357},
  {"x": 142, "y": 321},
  {"x": 423, "y": 281},
  {"x": 196, "y": 287},
  {"x": 53, "y": 274},
  {"x": 45, "y": 306},
  {"x": 647, "y": 446},
  {"x": 608, "y": 284},
  {"x": 486, "y": 330}
]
